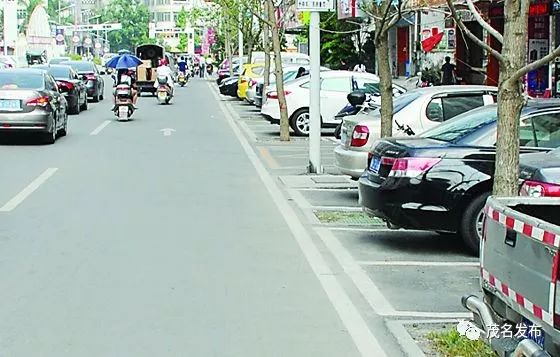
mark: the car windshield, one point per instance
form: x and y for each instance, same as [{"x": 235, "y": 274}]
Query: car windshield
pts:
[
  {"x": 59, "y": 72},
  {"x": 463, "y": 125},
  {"x": 18, "y": 80},
  {"x": 82, "y": 66},
  {"x": 402, "y": 101}
]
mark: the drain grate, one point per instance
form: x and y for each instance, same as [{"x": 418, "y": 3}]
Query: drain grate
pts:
[{"x": 348, "y": 218}]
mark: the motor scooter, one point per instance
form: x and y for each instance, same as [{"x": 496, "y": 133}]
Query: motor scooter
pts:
[
  {"x": 164, "y": 91},
  {"x": 124, "y": 108},
  {"x": 182, "y": 79}
]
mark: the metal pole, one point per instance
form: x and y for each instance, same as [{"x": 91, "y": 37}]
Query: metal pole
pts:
[
  {"x": 315, "y": 95},
  {"x": 5, "y": 49},
  {"x": 240, "y": 50}
]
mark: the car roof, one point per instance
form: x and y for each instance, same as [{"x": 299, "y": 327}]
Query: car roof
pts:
[
  {"x": 452, "y": 88},
  {"x": 72, "y": 62},
  {"x": 23, "y": 70},
  {"x": 52, "y": 66}
]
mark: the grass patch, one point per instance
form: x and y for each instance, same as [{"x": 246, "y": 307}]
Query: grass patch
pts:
[
  {"x": 345, "y": 217},
  {"x": 451, "y": 344}
]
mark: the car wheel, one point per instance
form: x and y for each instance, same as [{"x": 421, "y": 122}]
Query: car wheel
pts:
[
  {"x": 101, "y": 96},
  {"x": 96, "y": 98},
  {"x": 85, "y": 105},
  {"x": 64, "y": 130},
  {"x": 76, "y": 108},
  {"x": 471, "y": 223},
  {"x": 337, "y": 131},
  {"x": 300, "y": 122},
  {"x": 50, "y": 138}
]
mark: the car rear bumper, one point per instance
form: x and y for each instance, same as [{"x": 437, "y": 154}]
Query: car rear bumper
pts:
[
  {"x": 350, "y": 162},
  {"x": 258, "y": 101},
  {"x": 34, "y": 121},
  {"x": 271, "y": 120},
  {"x": 397, "y": 206}
]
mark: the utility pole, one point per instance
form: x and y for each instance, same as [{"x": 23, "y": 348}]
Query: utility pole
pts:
[
  {"x": 5, "y": 39},
  {"x": 315, "y": 94},
  {"x": 240, "y": 43}
]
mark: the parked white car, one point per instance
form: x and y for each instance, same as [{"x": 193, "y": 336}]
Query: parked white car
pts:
[
  {"x": 414, "y": 112},
  {"x": 335, "y": 86}
]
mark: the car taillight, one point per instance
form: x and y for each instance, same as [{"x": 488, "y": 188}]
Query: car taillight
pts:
[
  {"x": 539, "y": 189},
  {"x": 90, "y": 77},
  {"x": 69, "y": 86},
  {"x": 274, "y": 95},
  {"x": 412, "y": 166},
  {"x": 42, "y": 101},
  {"x": 360, "y": 136}
]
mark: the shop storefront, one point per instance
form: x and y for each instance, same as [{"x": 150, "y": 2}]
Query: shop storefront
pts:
[{"x": 539, "y": 81}]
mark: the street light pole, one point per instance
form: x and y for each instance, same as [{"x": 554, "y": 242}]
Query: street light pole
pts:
[
  {"x": 240, "y": 34},
  {"x": 315, "y": 94},
  {"x": 5, "y": 49}
]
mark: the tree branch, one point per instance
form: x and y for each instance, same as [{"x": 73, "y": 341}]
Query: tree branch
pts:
[
  {"x": 466, "y": 31},
  {"x": 262, "y": 19},
  {"x": 385, "y": 14},
  {"x": 537, "y": 64},
  {"x": 485, "y": 25}
]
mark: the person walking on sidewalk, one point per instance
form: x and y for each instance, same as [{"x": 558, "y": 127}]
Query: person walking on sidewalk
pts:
[
  {"x": 202, "y": 69},
  {"x": 360, "y": 67},
  {"x": 447, "y": 72}
]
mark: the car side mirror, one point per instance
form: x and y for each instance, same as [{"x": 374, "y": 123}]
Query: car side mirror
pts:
[{"x": 356, "y": 98}]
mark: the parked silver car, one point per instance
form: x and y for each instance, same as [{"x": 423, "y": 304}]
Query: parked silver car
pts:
[
  {"x": 30, "y": 101},
  {"x": 414, "y": 112}
]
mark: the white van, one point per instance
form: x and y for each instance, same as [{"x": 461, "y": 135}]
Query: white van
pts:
[{"x": 287, "y": 58}]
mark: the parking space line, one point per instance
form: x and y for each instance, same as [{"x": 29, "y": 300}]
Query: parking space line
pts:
[
  {"x": 248, "y": 131},
  {"x": 100, "y": 127},
  {"x": 28, "y": 190},
  {"x": 270, "y": 160},
  {"x": 420, "y": 263},
  {"x": 433, "y": 314},
  {"x": 363, "y": 338},
  {"x": 405, "y": 340}
]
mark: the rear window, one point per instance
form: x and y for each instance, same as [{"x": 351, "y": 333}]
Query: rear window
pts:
[
  {"x": 59, "y": 60},
  {"x": 18, "y": 80},
  {"x": 403, "y": 100},
  {"x": 82, "y": 66},
  {"x": 258, "y": 71},
  {"x": 59, "y": 72},
  {"x": 463, "y": 124}
]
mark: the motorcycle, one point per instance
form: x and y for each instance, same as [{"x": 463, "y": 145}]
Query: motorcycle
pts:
[
  {"x": 182, "y": 79},
  {"x": 124, "y": 107},
  {"x": 164, "y": 91}
]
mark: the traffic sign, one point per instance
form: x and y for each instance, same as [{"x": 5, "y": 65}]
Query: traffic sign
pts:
[
  {"x": 59, "y": 37},
  {"x": 98, "y": 27},
  {"x": 97, "y": 45},
  {"x": 315, "y": 5},
  {"x": 75, "y": 39},
  {"x": 106, "y": 49},
  {"x": 88, "y": 41}
]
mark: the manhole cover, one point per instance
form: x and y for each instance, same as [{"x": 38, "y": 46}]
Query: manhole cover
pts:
[
  {"x": 348, "y": 218},
  {"x": 330, "y": 179}
]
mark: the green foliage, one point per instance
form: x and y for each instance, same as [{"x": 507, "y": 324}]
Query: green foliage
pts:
[
  {"x": 451, "y": 344},
  {"x": 30, "y": 7},
  {"x": 181, "y": 19},
  {"x": 53, "y": 11},
  {"x": 75, "y": 57},
  {"x": 337, "y": 47},
  {"x": 134, "y": 17},
  {"x": 183, "y": 42},
  {"x": 97, "y": 60}
]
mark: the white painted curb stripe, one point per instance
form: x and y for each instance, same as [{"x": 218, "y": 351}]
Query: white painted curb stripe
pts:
[
  {"x": 364, "y": 340},
  {"x": 28, "y": 190},
  {"x": 419, "y": 263},
  {"x": 100, "y": 127}
]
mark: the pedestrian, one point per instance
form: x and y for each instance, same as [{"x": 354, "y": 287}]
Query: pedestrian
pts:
[
  {"x": 360, "y": 67},
  {"x": 447, "y": 72},
  {"x": 202, "y": 69}
]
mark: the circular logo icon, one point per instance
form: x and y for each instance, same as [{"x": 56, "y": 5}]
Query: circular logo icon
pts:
[
  {"x": 106, "y": 49},
  {"x": 97, "y": 45},
  {"x": 75, "y": 39},
  {"x": 60, "y": 37},
  {"x": 88, "y": 41}
]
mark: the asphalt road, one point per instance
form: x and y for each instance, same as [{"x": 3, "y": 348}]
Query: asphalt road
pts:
[{"x": 121, "y": 241}]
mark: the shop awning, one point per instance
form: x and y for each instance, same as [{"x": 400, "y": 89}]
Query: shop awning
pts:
[{"x": 431, "y": 42}]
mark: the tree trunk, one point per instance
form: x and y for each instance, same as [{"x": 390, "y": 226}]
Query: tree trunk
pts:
[
  {"x": 250, "y": 41},
  {"x": 284, "y": 123},
  {"x": 510, "y": 98},
  {"x": 266, "y": 49},
  {"x": 385, "y": 84},
  {"x": 228, "y": 52}
]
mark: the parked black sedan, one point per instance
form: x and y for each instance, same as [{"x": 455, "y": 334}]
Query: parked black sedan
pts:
[
  {"x": 540, "y": 174},
  {"x": 70, "y": 84},
  {"x": 229, "y": 86},
  {"x": 91, "y": 77},
  {"x": 440, "y": 180}
]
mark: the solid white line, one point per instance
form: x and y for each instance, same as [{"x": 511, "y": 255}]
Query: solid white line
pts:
[
  {"x": 28, "y": 190},
  {"x": 377, "y": 301},
  {"x": 419, "y": 263},
  {"x": 433, "y": 314},
  {"x": 100, "y": 127},
  {"x": 358, "y": 329},
  {"x": 409, "y": 346}
]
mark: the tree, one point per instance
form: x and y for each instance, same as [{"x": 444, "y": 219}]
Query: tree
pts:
[
  {"x": 336, "y": 42},
  {"x": 385, "y": 15},
  {"x": 30, "y": 7},
  {"x": 181, "y": 24},
  {"x": 134, "y": 17},
  {"x": 512, "y": 60},
  {"x": 53, "y": 11}
]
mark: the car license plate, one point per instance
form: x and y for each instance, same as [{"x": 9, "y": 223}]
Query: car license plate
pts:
[
  {"x": 534, "y": 334},
  {"x": 162, "y": 95},
  {"x": 10, "y": 105},
  {"x": 375, "y": 164},
  {"x": 123, "y": 112}
]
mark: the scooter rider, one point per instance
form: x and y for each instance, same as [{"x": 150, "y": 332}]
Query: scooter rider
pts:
[
  {"x": 182, "y": 65},
  {"x": 125, "y": 76},
  {"x": 164, "y": 70}
]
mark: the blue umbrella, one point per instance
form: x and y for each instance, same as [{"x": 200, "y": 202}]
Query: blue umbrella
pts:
[{"x": 123, "y": 62}]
